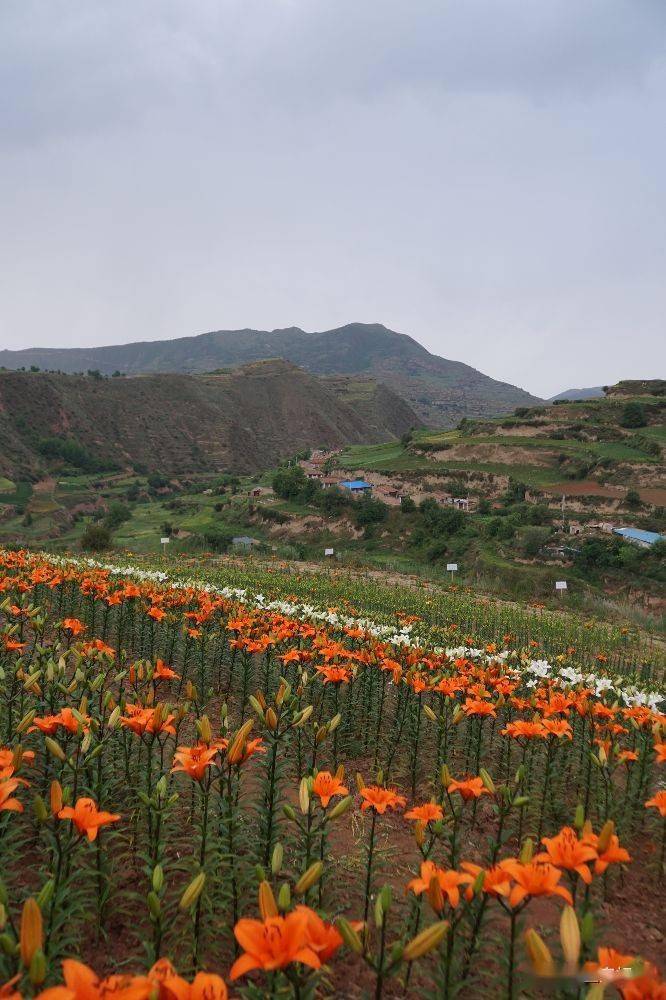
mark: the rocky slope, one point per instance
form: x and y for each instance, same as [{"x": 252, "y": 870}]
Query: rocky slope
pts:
[{"x": 241, "y": 421}]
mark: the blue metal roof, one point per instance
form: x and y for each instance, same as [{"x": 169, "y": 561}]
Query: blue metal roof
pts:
[
  {"x": 356, "y": 484},
  {"x": 649, "y": 537}
]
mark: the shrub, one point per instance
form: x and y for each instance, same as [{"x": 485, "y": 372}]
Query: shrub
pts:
[
  {"x": 96, "y": 538},
  {"x": 70, "y": 451},
  {"x": 530, "y": 540},
  {"x": 117, "y": 514},
  {"x": 333, "y": 501},
  {"x": 632, "y": 499},
  {"x": 633, "y": 415},
  {"x": 368, "y": 510}
]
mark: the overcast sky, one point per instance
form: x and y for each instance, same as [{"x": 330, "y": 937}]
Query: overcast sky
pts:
[{"x": 488, "y": 176}]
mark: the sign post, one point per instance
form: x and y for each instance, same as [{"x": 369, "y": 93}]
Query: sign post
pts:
[
  {"x": 452, "y": 568},
  {"x": 560, "y": 587},
  {"x": 328, "y": 552},
  {"x": 164, "y": 542}
]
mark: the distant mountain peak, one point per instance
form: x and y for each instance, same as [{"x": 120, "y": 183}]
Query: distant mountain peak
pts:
[{"x": 441, "y": 391}]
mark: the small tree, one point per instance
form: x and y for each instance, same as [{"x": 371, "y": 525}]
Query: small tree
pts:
[
  {"x": 369, "y": 511},
  {"x": 117, "y": 514},
  {"x": 96, "y": 538},
  {"x": 632, "y": 499},
  {"x": 633, "y": 415}
]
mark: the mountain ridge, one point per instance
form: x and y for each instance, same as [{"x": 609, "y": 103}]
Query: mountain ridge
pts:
[
  {"x": 441, "y": 391},
  {"x": 240, "y": 421}
]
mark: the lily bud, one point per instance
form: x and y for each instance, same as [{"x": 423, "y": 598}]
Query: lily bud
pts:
[
  {"x": 113, "y": 718},
  {"x": 31, "y": 937},
  {"x": 579, "y": 817},
  {"x": 277, "y": 859},
  {"x": 429, "y": 714},
  {"x": 267, "y": 905},
  {"x": 445, "y": 776},
  {"x": 56, "y": 797},
  {"x": 54, "y": 748},
  {"x": 237, "y": 745},
  {"x": 205, "y": 732},
  {"x": 350, "y": 937},
  {"x": 341, "y": 807},
  {"x": 41, "y": 812},
  {"x": 538, "y": 953},
  {"x": 304, "y": 716},
  {"x": 360, "y": 783},
  {"x": 487, "y": 781},
  {"x": 607, "y": 831},
  {"x": 309, "y": 878},
  {"x": 527, "y": 851},
  {"x": 26, "y": 721},
  {"x": 192, "y": 892},
  {"x": 570, "y": 936},
  {"x": 271, "y": 719},
  {"x": 304, "y": 796},
  {"x": 284, "y": 897},
  {"x": 426, "y": 941},
  {"x": 37, "y": 970},
  {"x": 158, "y": 878}
]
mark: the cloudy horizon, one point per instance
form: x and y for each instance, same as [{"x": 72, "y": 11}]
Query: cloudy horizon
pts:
[{"x": 487, "y": 178}]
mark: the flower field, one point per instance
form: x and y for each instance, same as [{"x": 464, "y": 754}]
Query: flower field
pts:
[{"x": 208, "y": 792}]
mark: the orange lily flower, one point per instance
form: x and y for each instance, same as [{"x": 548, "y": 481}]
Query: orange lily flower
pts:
[
  {"x": 538, "y": 878},
  {"x": 478, "y": 707},
  {"x": 380, "y": 799},
  {"x": 658, "y": 801},
  {"x": 194, "y": 760},
  {"x": 614, "y": 854},
  {"x": 430, "y": 812},
  {"x": 648, "y": 986},
  {"x": 171, "y": 986},
  {"x": 273, "y": 944},
  {"x": 523, "y": 729},
  {"x": 323, "y": 937},
  {"x": 449, "y": 881},
  {"x": 82, "y": 983},
  {"x": 164, "y": 673},
  {"x": 87, "y": 818},
  {"x": 471, "y": 788},
  {"x": 326, "y": 785},
  {"x": 73, "y": 625},
  {"x": 7, "y": 802},
  {"x": 558, "y": 727},
  {"x": 567, "y": 851},
  {"x": 496, "y": 880}
]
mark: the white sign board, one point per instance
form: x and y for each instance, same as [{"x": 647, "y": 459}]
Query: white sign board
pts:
[
  {"x": 560, "y": 585},
  {"x": 451, "y": 567},
  {"x": 328, "y": 552},
  {"x": 164, "y": 541}
]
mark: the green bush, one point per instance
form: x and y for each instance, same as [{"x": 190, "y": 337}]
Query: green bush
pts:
[
  {"x": 368, "y": 510},
  {"x": 117, "y": 514},
  {"x": 70, "y": 451},
  {"x": 633, "y": 415},
  {"x": 96, "y": 538}
]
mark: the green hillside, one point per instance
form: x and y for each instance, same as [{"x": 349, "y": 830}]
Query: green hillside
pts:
[{"x": 439, "y": 390}]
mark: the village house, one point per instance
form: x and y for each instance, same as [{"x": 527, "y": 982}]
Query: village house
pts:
[
  {"x": 356, "y": 486},
  {"x": 644, "y": 539}
]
